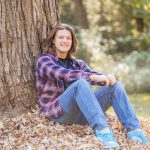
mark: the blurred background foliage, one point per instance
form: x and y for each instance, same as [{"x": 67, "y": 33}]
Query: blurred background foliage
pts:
[{"x": 114, "y": 37}]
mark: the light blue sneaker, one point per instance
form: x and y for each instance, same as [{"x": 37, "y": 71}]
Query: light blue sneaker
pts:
[
  {"x": 105, "y": 136},
  {"x": 138, "y": 136}
]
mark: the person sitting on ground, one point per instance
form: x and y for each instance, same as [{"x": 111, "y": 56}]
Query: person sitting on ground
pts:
[{"x": 65, "y": 94}]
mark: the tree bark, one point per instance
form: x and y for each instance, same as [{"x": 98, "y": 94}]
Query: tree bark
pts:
[
  {"x": 23, "y": 26},
  {"x": 81, "y": 14}
]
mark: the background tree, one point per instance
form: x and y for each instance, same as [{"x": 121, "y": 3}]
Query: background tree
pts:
[
  {"x": 23, "y": 25},
  {"x": 81, "y": 14},
  {"x": 74, "y": 12},
  {"x": 67, "y": 10}
]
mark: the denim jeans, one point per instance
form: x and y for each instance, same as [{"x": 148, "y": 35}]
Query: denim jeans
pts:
[{"x": 81, "y": 105}]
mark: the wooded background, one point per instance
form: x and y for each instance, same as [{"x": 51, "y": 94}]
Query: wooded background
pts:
[{"x": 114, "y": 39}]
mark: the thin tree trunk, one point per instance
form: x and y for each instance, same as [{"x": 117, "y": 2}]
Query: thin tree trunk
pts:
[
  {"x": 23, "y": 25},
  {"x": 140, "y": 24},
  {"x": 81, "y": 14}
]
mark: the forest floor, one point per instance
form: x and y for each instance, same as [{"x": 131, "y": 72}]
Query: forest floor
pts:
[{"x": 30, "y": 131}]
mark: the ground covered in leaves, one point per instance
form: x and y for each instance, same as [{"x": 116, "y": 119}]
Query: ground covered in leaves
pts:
[{"x": 32, "y": 132}]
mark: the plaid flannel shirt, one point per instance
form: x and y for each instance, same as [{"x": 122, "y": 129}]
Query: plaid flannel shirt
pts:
[{"x": 50, "y": 81}]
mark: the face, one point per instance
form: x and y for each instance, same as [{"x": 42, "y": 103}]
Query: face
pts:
[{"x": 63, "y": 42}]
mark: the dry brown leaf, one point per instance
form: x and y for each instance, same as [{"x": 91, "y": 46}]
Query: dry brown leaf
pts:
[{"x": 31, "y": 131}]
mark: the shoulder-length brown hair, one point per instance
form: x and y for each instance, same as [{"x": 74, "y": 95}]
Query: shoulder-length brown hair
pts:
[{"x": 50, "y": 47}]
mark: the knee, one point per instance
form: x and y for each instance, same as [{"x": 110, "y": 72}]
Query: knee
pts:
[
  {"x": 82, "y": 83},
  {"x": 118, "y": 85}
]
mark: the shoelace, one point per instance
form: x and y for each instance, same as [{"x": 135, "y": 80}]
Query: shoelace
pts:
[{"x": 106, "y": 136}]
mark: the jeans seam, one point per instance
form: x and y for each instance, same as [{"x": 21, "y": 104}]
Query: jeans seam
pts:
[
  {"x": 88, "y": 111},
  {"x": 83, "y": 102}
]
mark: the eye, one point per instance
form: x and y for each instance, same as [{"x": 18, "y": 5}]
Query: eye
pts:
[
  {"x": 60, "y": 37},
  {"x": 68, "y": 38},
  {"x": 64, "y": 37}
]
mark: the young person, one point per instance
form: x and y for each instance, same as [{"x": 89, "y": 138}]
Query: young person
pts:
[{"x": 65, "y": 94}]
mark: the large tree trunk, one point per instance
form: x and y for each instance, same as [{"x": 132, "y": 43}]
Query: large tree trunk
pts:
[
  {"x": 81, "y": 14},
  {"x": 23, "y": 25}
]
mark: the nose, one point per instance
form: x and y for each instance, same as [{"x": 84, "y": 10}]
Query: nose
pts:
[{"x": 65, "y": 39}]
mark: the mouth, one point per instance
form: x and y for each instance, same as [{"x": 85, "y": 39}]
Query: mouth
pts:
[{"x": 64, "y": 46}]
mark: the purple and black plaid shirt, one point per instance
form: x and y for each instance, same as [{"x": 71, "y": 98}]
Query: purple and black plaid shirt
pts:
[{"x": 50, "y": 81}]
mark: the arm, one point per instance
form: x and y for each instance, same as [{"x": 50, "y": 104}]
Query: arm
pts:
[
  {"x": 47, "y": 66},
  {"x": 98, "y": 78},
  {"x": 95, "y": 77}
]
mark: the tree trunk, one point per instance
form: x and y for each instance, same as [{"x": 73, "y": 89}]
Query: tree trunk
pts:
[
  {"x": 81, "y": 14},
  {"x": 23, "y": 25},
  {"x": 140, "y": 24}
]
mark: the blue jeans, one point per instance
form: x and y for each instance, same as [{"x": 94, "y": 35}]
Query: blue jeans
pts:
[{"x": 81, "y": 105}]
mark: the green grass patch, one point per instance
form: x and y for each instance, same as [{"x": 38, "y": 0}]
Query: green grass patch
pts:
[{"x": 141, "y": 104}]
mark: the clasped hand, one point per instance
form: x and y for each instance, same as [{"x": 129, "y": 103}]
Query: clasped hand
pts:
[{"x": 107, "y": 79}]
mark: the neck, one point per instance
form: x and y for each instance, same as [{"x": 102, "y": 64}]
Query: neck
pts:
[{"x": 61, "y": 55}]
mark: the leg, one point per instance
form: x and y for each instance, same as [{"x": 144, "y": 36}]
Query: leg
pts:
[
  {"x": 80, "y": 97},
  {"x": 104, "y": 96},
  {"x": 124, "y": 109},
  {"x": 115, "y": 96}
]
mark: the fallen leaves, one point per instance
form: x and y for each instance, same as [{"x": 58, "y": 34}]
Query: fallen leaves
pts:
[{"x": 32, "y": 132}]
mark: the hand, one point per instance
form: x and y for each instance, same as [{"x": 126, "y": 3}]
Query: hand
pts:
[
  {"x": 100, "y": 78},
  {"x": 112, "y": 79}
]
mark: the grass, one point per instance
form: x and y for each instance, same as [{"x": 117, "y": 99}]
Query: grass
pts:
[{"x": 140, "y": 103}]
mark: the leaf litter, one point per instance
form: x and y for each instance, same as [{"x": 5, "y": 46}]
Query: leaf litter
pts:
[{"x": 31, "y": 131}]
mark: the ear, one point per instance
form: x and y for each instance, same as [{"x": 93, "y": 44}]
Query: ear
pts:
[{"x": 53, "y": 41}]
